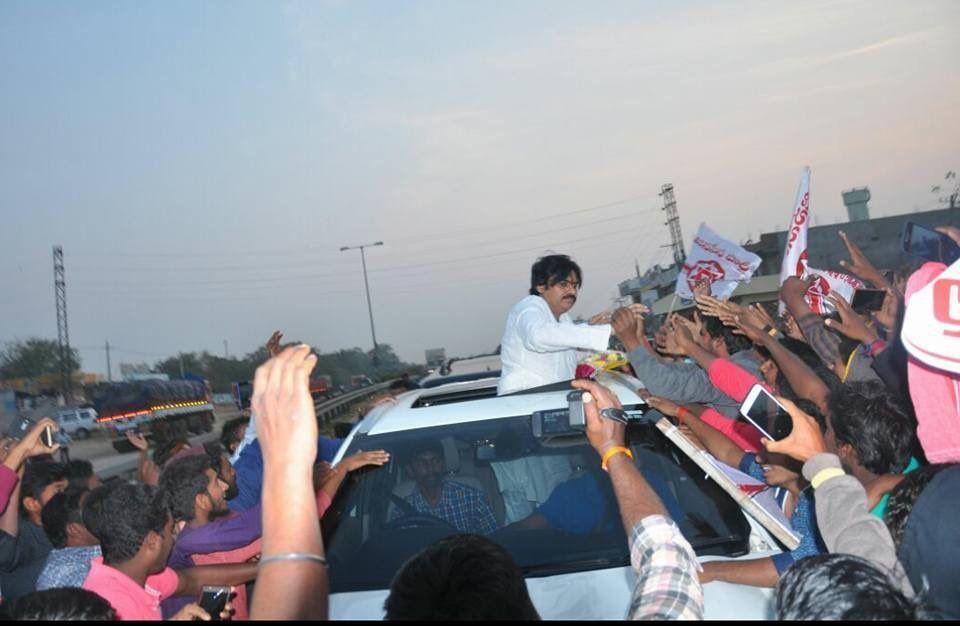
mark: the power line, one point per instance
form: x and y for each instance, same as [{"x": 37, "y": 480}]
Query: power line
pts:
[{"x": 325, "y": 249}]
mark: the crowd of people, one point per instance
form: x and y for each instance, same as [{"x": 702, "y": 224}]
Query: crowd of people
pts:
[{"x": 867, "y": 477}]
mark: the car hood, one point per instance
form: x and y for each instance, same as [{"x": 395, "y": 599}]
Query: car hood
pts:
[{"x": 591, "y": 595}]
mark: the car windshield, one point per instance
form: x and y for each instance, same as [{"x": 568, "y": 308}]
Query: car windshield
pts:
[{"x": 547, "y": 502}]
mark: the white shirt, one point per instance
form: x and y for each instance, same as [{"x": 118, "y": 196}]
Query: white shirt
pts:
[{"x": 536, "y": 349}]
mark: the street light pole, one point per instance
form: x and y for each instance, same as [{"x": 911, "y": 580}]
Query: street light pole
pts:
[{"x": 366, "y": 285}]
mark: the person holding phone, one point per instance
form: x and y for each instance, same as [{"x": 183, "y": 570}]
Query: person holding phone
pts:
[
  {"x": 790, "y": 489},
  {"x": 23, "y": 544}
]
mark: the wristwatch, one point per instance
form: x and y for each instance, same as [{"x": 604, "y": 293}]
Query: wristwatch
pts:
[{"x": 617, "y": 415}]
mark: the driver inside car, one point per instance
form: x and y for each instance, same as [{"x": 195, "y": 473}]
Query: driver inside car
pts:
[{"x": 465, "y": 508}]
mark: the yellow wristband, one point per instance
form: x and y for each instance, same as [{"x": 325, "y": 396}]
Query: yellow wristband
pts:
[
  {"x": 826, "y": 474},
  {"x": 612, "y": 452}
]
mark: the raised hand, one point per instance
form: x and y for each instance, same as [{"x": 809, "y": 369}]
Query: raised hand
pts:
[
  {"x": 851, "y": 323},
  {"x": 286, "y": 418},
  {"x": 860, "y": 266},
  {"x": 273, "y": 344},
  {"x": 805, "y": 440},
  {"x": 712, "y": 307},
  {"x": 137, "y": 440}
]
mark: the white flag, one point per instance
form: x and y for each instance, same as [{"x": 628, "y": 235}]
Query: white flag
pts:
[
  {"x": 718, "y": 260},
  {"x": 795, "y": 254},
  {"x": 931, "y": 325},
  {"x": 829, "y": 283}
]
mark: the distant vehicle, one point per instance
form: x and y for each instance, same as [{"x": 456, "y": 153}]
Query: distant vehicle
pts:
[
  {"x": 160, "y": 409},
  {"x": 360, "y": 380},
  {"x": 78, "y": 423},
  {"x": 320, "y": 388},
  {"x": 464, "y": 370}
]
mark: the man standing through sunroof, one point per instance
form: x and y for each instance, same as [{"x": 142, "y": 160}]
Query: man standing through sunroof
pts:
[{"x": 540, "y": 342}]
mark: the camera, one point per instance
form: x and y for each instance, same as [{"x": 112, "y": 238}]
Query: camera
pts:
[
  {"x": 568, "y": 421},
  {"x": 572, "y": 420}
]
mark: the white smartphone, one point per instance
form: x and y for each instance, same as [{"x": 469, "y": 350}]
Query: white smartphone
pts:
[{"x": 767, "y": 415}]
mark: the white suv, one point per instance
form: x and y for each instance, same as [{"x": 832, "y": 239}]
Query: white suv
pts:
[
  {"x": 575, "y": 557},
  {"x": 78, "y": 423}
]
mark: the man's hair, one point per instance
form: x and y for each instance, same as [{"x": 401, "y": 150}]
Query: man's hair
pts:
[
  {"x": 812, "y": 360},
  {"x": 230, "y": 434},
  {"x": 903, "y": 497},
  {"x": 424, "y": 445},
  {"x": 870, "y": 419},
  {"x": 37, "y": 476},
  {"x": 62, "y": 509},
  {"x": 716, "y": 329},
  {"x": 552, "y": 269},
  {"x": 811, "y": 409},
  {"x": 180, "y": 484},
  {"x": 126, "y": 514},
  {"x": 79, "y": 472},
  {"x": 841, "y": 587},
  {"x": 66, "y": 604},
  {"x": 463, "y": 577}
]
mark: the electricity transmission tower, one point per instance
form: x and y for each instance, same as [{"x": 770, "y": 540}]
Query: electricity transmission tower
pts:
[
  {"x": 63, "y": 334},
  {"x": 673, "y": 222}
]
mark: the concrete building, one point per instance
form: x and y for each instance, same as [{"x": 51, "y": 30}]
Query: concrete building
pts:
[{"x": 879, "y": 238}]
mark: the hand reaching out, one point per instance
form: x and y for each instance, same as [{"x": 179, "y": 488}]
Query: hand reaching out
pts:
[
  {"x": 667, "y": 407},
  {"x": 600, "y": 318},
  {"x": 887, "y": 315},
  {"x": 363, "y": 459},
  {"x": 950, "y": 231},
  {"x": 702, "y": 287}
]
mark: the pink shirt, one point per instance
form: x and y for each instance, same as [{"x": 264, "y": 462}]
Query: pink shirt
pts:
[
  {"x": 128, "y": 599},
  {"x": 8, "y": 482}
]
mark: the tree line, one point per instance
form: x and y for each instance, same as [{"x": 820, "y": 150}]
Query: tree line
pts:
[{"x": 35, "y": 357}]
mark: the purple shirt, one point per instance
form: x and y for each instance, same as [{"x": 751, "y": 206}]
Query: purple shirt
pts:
[{"x": 220, "y": 535}]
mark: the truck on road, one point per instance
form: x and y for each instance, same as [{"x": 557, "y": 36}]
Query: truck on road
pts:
[{"x": 159, "y": 409}]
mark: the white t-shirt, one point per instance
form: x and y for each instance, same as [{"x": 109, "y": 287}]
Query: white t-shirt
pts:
[{"x": 537, "y": 350}]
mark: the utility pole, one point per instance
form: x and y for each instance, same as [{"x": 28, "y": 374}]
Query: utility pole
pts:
[
  {"x": 63, "y": 334},
  {"x": 673, "y": 222},
  {"x": 226, "y": 353},
  {"x": 366, "y": 285},
  {"x": 106, "y": 347}
]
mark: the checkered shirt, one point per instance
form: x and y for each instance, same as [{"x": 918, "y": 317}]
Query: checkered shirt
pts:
[
  {"x": 464, "y": 507},
  {"x": 667, "y": 587}
]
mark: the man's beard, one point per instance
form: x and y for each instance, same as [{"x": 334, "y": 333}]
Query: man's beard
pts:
[{"x": 232, "y": 492}]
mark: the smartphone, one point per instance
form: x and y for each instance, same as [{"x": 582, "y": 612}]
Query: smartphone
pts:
[
  {"x": 865, "y": 300},
  {"x": 762, "y": 410},
  {"x": 213, "y": 600},
  {"x": 928, "y": 244},
  {"x": 47, "y": 436}
]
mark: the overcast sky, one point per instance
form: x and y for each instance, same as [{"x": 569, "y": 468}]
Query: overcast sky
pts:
[{"x": 202, "y": 162}]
